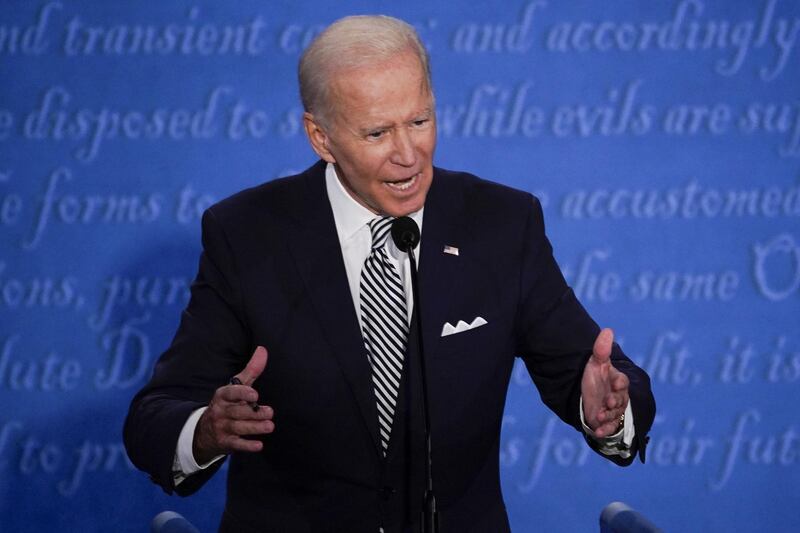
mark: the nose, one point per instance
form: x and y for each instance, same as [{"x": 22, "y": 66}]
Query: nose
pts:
[{"x": 404, "y": 153}]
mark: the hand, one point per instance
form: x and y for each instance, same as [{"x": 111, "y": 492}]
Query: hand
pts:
[
  {"x": 230, "y": 417},
  {"x": 604, "y": 389}
]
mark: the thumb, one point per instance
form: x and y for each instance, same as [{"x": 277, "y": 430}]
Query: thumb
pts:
[
  {"x": 255, "y": 366},
  {"x": 602, "y": 346}
]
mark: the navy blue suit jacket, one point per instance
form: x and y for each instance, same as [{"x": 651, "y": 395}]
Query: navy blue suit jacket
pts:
[{"x": 272, "y": 274}]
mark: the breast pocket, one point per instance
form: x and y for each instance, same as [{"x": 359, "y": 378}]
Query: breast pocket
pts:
[{"x": 455, "y": 337}]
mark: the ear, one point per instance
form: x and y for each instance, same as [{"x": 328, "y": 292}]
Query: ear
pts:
[{"x": 317, "y": 137}]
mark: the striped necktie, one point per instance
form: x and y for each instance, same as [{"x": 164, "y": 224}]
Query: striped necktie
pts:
[{"x": 384, "y": 324}]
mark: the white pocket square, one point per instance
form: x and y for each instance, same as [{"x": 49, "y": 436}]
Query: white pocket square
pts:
[{"x": 450, "y": 329}]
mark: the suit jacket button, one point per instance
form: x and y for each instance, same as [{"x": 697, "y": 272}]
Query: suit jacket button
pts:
[{"x": 386, "y": 493}]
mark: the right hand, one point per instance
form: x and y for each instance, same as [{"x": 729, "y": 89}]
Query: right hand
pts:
[{"x": 229, "y": 417}]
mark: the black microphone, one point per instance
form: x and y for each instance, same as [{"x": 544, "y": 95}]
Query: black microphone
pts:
[{"x": 405, "y": 234}]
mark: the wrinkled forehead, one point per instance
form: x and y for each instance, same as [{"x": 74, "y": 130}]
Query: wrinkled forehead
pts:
[
  {"x": 366, "y": 60},
  {"x": 372, "y": 80}
]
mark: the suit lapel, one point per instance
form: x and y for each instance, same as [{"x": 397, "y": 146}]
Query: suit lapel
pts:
[
  {"x": 439, "y": 274},
  {"x": 444, "y": 225},
  {"x": 314, "y": 245}
]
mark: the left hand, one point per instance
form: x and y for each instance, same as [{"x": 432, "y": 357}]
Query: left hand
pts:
[{"x": 604, "y": 389}]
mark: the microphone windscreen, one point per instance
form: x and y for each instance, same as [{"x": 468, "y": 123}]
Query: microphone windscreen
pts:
[
  {"x": 405, "y": 233},
  {"x": 171, "y": 522}
]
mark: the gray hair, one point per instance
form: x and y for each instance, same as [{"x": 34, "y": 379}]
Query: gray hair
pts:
[{"x": 350, "y": 43}]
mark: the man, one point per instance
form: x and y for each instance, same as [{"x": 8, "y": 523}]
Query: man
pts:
[{"x": 328, "y": 434}]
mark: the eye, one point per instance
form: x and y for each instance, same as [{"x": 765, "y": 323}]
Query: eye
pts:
[
  {"x": 421, "y": 122},
  {"x": 377, "y": 134}
]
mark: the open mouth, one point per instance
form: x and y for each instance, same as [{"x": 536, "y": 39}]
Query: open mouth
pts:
[{"x": 403, "y": 185}]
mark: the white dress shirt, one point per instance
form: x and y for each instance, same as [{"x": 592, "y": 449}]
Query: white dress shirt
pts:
[{"x": 355, "y": 240}]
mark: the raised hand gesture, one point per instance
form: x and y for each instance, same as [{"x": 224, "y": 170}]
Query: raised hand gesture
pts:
[{"x": 233, "y": 414}]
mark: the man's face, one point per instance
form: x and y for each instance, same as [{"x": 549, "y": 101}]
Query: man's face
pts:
[{"x": 381, "y": 135}]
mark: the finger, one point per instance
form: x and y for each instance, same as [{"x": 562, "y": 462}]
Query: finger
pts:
[
  {"x": 609, "y": 422},
  {"x": 615, "y": 400},
  {"x": 609, "y": 428},
  {"x": 607, "y": 416},
  {"x": 243, "y": 411},
  {"x": 255, "y": 366},
  {"x": 252, "y": 427},
  {"x": 238, "y": 444},
  {"x": 602, "y": 345},
  {"x": 620, "y": 382},
  {"x": 238, "y": 394}
]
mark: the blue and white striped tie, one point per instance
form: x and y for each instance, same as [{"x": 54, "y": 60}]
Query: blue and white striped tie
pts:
[{"x": 384, "y": 324}]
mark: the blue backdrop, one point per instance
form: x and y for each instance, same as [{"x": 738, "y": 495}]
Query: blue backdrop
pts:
[{"x": 662, "y": 137}]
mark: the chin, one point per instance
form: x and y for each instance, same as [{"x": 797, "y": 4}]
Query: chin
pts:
[{"x": 397, "y": 210}]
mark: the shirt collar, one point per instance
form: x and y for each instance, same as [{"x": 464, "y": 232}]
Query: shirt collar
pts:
[{"x": 350, "y": 215}]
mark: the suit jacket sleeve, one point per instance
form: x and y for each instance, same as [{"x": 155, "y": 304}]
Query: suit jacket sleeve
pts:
[
  {"x": 555, "y": 337},
  {"x": 212, "y": 343}
]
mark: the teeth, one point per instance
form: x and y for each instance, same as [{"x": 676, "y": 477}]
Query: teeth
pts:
[{"x": 403, "y": 185}]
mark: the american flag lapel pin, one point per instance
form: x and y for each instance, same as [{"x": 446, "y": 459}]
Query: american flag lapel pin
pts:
[{"x": 452, "y": 250}]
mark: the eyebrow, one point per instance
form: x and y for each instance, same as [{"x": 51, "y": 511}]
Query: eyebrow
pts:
[{"x": 427, "y": 112}]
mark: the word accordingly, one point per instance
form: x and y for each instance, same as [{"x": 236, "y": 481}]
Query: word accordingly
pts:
[{"x": 688, "y": 31}]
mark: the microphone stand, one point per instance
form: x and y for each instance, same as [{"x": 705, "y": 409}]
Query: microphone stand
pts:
[{"x": 430, "y": 516}]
